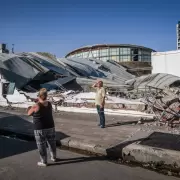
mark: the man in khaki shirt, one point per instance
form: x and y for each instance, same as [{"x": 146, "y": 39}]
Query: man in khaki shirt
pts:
[{"x": 100, "y": 102}]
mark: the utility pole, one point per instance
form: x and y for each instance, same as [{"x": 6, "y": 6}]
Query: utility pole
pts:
[{"x": 13, "y": 48}]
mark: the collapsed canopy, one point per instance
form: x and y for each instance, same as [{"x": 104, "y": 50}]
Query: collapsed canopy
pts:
[{"x": 159, "y": 81}]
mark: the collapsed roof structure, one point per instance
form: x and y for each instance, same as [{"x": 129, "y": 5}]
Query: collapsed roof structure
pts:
[{"x": 31, "y": 71}]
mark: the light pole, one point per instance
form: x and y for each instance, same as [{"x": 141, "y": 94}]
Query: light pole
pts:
[{"x": 13, "y": 48}]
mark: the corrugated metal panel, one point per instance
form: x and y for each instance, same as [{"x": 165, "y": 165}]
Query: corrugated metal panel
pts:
[
  {"x": 160, "y": 81},
  {"x": 16, "y": 70}
]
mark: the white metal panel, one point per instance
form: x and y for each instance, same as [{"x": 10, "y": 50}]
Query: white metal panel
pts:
[
  {"x": 173, "y": 63},
  {"x": 158, "y": 63},
  {"x": 166, "y": 62}
]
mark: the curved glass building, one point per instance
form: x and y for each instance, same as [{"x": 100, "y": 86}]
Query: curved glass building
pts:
[{"x": 116, "y": 52}]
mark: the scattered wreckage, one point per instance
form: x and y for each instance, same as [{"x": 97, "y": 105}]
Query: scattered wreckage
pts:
[
  {"x": 69, "y": 82},
  {"x": 160, "y": 93}
]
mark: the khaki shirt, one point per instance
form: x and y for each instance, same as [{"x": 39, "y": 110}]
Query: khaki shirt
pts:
[{"x": 100, "y": 95}]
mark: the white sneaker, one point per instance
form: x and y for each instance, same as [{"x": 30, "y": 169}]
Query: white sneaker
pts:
[
  {"x": 53, "y": 159},
  {"x": 41, "y": 164}
]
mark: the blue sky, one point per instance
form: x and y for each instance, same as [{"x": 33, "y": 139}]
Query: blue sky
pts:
[{"x": 59, "y": 26}]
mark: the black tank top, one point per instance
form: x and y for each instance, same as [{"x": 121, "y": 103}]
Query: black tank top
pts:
[{"x": 43, "y": 119}]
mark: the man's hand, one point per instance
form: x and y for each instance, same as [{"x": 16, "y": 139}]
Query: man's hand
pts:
[
  {"x": 94, "y": 85},
  {"x": 102, "y": 106},
  {"x": 28, "y": 108}
]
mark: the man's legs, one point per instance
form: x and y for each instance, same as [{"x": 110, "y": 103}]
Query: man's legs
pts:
[
  {"x": 98, "y": 111},
  {"x": 51, "y": 140},
  {"x": 101, "y": 116},
  {"x": 41, "y": 145}
]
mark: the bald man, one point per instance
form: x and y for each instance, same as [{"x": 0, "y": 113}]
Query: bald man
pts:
[{"x": 100, "y": 102}]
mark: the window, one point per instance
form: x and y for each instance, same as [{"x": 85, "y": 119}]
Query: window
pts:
[
  {"x": 135, "y": 51},
  {"x": 125, "y": 58},
  {"x": 85, "y": 54},
  {"x": 125, "y": 51},
  {"x": 8, "y": 88},
  {"x": 95, "y": 53},
  {"x": 114, "y": 51},
  {"x": 104, "y": 52},
  {"x": 90, "y": 54},
  {"x": 114, "y": 58},
  {"x": 135, "y": 58},
  {"x": 146, "y": 53},
  {"x": 79, "y": 55},
  {"x": 146, "y": 58}
]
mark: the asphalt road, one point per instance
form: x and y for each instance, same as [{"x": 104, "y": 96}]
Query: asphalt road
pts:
[{"x": 18, "y": 162}]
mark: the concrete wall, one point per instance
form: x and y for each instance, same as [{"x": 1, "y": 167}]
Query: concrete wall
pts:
[{"x": 166, "y": 62}]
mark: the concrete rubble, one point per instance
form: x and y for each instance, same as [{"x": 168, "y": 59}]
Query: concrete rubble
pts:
[{"x": 69, "y": 82}]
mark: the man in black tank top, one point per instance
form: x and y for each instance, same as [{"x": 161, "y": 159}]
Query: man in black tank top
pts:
[{"x": 44, "y": 129}]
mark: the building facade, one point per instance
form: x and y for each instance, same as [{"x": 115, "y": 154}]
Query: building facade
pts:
[
  {"x": 3, "y": 48},
  {"x": 178, "y": 35},
  {"x": 116, "y": 52}
]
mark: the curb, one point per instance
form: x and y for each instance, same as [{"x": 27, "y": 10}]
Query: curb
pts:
[
  {"x": 135, "y": 153},
  {"x": 148, "y": 154},
  {"x": 80, "y": 144},
  {"x": 72, "y": 143}
]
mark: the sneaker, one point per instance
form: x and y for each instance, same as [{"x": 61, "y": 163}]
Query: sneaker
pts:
[
  {"x": 42, "y": 164},
  {"x": 53, "y": 159},
  {"x": 102, "y": 127}
]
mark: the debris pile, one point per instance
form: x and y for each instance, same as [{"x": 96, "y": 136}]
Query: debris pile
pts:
[
  {"x": 69, "y": 82},
  {"x": 160, "y": 93}
]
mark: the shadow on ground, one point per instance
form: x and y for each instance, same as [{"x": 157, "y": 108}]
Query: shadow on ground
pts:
[
  {"x": 10, "y": 147},
  {"x": 117, "y": 151},
  {"x": 20, "y": 125},
  {"x": 163, "y": 140},
  {"x": 77, "y": 160},
  {"x": 16, "y": 135},
  {"x": 15, "y": 124},
  {"x": 129, "y": 122},
  {"x": 120, "y": 123}
]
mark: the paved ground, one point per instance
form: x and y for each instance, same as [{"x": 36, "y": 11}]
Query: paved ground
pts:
[
  {"x": 122, "y": 137},
  {"x": 82, "y": 127},
  {"x": 18, "y": 162}
]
